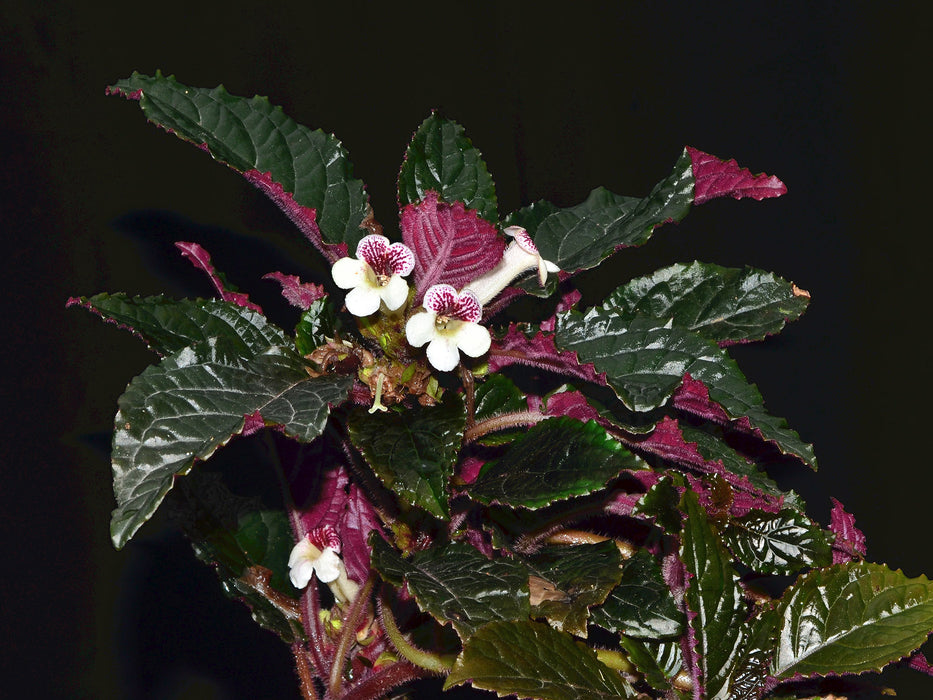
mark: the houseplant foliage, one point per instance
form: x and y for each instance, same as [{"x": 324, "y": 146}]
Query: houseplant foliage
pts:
[{"x": 571, "y": 505}]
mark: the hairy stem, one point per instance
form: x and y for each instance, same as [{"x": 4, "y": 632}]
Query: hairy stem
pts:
[
  {"x": 469, "y": 388},
  {"x": 427, "y": 660},
  {"x": 380, "y": 683},
  {"x": 348, "y": 634},
  {"x": 304, "y": 672},
  {"x": 503, "y": 421}
]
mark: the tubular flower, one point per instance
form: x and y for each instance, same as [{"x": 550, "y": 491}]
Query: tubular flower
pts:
[
  {"x": 521, "y": 255},
  {"x": 375, "y": 275},
  {"x": 318, "y": 553},
  {"x": 448, "y": 325}
]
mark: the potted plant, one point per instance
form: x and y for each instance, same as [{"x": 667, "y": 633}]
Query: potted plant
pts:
[{"x": 570, "y": 503}]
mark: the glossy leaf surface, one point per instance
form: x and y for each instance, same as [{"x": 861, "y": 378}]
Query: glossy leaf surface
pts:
[
  {"x": 193, "y": 402},
  {"x": 413, "y": 452},
  {"x": 168, "y": 325},
  {"x": 531, "y": 660},
  {"x": 714, "y": 595},
  {"x": 851, "y": 618},
  {"x": 777, "y": 543},
  {"x": 556, "y": 459},
  {"x": 578, "y": 238},
  {"x": 457, "y": 584},
  {"x": 645, "y": 364},
  {"x": 442, "y": 159},
  {"x": 728, "y": 305},
  {"x": 256, "y": 138},
  {"x": 642, "y": 605}
]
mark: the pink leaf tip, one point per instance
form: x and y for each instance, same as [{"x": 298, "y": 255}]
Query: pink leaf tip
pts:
[
  {"x": 297, "y": 293},
  {"x": 201, "y": 259},
  {"x": 713, "y": 178}
]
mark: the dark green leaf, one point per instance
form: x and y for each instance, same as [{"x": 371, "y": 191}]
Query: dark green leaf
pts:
[
  {"x": 413, "y": 451},
  {"x": 777, "y": 543},
  {"x": 168, "y": 325},
  {"x": 193, "y": 402},
  {"x": 532, "y": 660},
  {"x": 252, "y": 136},
  {"x": 645, "y": 362},
  {"x": 579, "y": 237},
  {"x": 457, "y": 584},
  {"x": 315, "y": 326},
  {"x": 234, "y": 535},
  {"x": 714, "y": 595},
  {"x": 556, "y": 459},
  {"x": 572, "y": 579},
  {"x": 658, "y": 662},
  {"x": 851, "y": 618},
  {"x": 712, "y": 448},
  {"x": 441, "y": 158},
  {"x": 641, "y": 605},
  {"x": 662, "y": 503},
  {"x": 720, "y": 303}
]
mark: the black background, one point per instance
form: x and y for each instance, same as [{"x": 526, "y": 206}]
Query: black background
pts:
[{"x": 830, "y": 97}]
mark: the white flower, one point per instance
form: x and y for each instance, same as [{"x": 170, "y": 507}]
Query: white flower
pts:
[
  {"x": 520, "y": 256},
  {"x": 375, "y": 275},
  {"x": 317, "y": 553},
  {"x": 448, "y": 325}
]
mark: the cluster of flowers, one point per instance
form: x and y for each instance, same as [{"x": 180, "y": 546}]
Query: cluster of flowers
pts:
[{"x": 448, "y": 325}]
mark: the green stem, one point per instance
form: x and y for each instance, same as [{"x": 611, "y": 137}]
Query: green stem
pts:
[{"x": 427, "y": 660}]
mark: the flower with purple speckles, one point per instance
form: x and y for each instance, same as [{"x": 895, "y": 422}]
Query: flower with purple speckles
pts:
[
  {"x": 318, "y": 553},
  {"x": 375, "y": 275},
  {"x": 520, "y": 256},
  {"x": 449, "y": 324}
]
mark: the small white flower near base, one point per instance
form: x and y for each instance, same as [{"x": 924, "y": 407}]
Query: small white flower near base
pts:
[
  {"x": 375, "y": 275},
  {"x": 317, "y": 553},
  {"x": 449, "y": 325}
]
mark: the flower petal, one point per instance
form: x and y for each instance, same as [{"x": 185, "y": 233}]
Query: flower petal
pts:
[
  {"x": 420, "y": 329},
  {"x": 473, "y": 339},
  {"x": 401, "y": 259},
  {"x": 301, "y": 562},
  {"x": 440, "y": 298},
  {"x": 363, "y": 300},
  {"x": 395, "y": 293},
  {"x": 372, "y": 248},
  {"x": 443, "y": 353},
  {"x": 327, "y": 567},
  {"x": 348, "y": 272}
]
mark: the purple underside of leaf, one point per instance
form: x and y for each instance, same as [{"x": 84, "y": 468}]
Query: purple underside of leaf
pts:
[
  {"x": 918, "y": 662},
  {"x": 541, "y": 352},
  {"x": 252, "y": 424},
  {"x": 667, "y": 441},
  {"x": 714, "y": 178},
  {"x": 201, "y": 259},
  {"x": 320, "y": 495},
  {"x": 692, "y": 397},
  {"x": 357, "y": 521},
  {"x": 623, "y": 502},
  {"x": 305, "y": 218},
  {"x": 691, "y": 657},
  {"x": 452, "y": 244},
  {"x": 850, "y": 541},
  {"x": 297, "y": 293}
]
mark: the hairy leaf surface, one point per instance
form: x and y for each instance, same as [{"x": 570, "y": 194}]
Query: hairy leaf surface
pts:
[
  {"x": 531, "y": 660},
  {"x": 168, "y": 325},
  {"x": 851, "y": 618},
  {"x": 441, "y": 158},
  {"x": 645, "y": 363},
  {"x": 642, "y": 605},
  {"x": 193, "y": 402},
  {"x": 455, "y": 583},
  {"x": 556, "y": 459},
  {"x": 307, "y": 173},
  {"x": 728, "y": 305},
  {"x": 413, "y": 452}
]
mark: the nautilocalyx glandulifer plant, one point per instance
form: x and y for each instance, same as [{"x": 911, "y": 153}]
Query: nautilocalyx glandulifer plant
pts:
[{"x": 574, "y": 505}]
